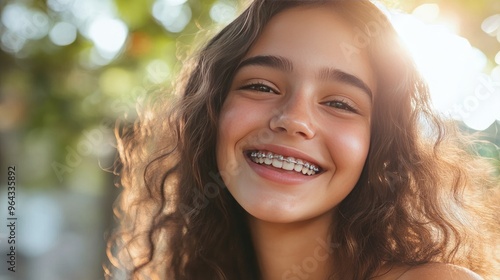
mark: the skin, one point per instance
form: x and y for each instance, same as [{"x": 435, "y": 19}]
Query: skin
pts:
[
  {"x": 306, "y": 111},
  {"x": 300, "y": 111}
]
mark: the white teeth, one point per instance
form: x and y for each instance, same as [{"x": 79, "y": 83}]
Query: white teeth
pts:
[
  {"x": 298, "y": 165},
  {"x": 269, "y": 159},
  {"x": 288, "y": 163},
  {"x": 277, "y": 163},
  {"x": 304, "y": 170}
]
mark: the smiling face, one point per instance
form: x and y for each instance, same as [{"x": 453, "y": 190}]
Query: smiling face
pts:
[{"x": 294, "y": 130}]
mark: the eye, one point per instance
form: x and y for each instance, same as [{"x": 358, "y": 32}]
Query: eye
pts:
[
  {"x": 259, "y": 87},
  {"x": 342, "y": 105}
]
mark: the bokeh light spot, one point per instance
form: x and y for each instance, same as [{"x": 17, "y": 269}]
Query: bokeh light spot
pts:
[
  {"x": 11, "y": 42},
  {"x": 174, "y": 15},
  {"x": 63, "y": 34},
  {"x": 25, "y": 22},
  {"x": 497, "y": 58},
  {"x": 45, "y": 218},
  {"x": 222, "y": 12},
  {"x": 491, "y": 24},
  {"x": 109, "y": 36},
  {"x": 495, "y": 74},
  {"x": 158, "y": 71},
  {"x": 60, "y": 5},
  {"x": 427, "y": 12}
]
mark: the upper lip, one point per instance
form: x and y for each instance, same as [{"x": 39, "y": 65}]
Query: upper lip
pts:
[{"x": 287, "y": 152}]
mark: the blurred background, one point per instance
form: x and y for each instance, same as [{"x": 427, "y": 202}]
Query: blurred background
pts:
[{"x": 69, "y": 69}]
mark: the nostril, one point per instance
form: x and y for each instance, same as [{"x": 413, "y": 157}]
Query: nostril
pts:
[
  {"x": 281, "y": 129},
  {"x": 303, "y": 134},
  {"x": 292, "y": 126}
]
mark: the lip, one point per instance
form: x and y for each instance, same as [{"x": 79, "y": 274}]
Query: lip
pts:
[{"x": 279, "y": 175}]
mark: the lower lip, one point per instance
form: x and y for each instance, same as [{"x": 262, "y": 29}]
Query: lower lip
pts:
[{"x": 280, "y": 176}]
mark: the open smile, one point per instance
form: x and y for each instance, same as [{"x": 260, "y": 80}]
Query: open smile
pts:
[{"x": 283, "y": 162}]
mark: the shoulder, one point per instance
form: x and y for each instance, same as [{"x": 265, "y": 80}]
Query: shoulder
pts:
[{"x": 439, "y": 271}]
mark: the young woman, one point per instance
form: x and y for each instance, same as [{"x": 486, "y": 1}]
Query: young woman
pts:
[{"x": 302, "y": 147}]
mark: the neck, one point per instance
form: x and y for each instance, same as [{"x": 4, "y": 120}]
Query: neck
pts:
[{"x": 299, "y": 250}]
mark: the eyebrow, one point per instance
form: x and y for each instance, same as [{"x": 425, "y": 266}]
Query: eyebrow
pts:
[
  {"x": 286, "y": 65},
  {"x": 272, "y": 61},
  {"x": 346, "y": 78}
]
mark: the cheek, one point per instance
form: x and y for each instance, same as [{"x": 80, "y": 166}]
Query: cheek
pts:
[
  {"x": 242, "y": 122},
  {"x": 349, "y": 145},
  {"x": 231, "y": 122},
  {"x": 225, "y": 135},
  {"x": 235, "y": 122}
]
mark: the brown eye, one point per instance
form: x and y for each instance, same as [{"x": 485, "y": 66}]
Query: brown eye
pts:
[
  {"x": 341, "y": 105},
  {"x": 259, "y": 87}
]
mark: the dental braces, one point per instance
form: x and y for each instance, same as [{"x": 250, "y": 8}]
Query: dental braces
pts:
[{"x": 282, "y": 158}]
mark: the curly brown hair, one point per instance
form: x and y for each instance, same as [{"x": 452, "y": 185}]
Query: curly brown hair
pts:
[{"x": 423, "y": 196}]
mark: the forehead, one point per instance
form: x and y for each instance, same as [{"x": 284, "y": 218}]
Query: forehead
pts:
[{"x": 314, "y": 37}]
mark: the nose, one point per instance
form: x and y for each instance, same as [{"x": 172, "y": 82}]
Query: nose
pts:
[{"x": 293, "y": 118}]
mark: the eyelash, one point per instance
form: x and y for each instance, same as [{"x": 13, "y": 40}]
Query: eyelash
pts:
[
  {"x": 261, "y": 87},
  {"x": 341, "y": 104}
]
